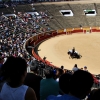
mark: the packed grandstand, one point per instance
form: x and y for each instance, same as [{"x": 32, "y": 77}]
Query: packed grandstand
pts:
[{"x": 22, "y": 28}]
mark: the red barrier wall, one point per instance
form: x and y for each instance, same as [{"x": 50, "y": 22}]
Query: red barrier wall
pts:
[{"x": 77, "y": 31}]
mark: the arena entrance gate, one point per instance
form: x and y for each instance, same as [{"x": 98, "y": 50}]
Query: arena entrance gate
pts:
[{"x": 87, "y": 30}]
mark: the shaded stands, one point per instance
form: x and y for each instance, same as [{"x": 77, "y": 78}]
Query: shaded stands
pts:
[
  {"x": 54, "y": 24},
  {"x": 98, "y": 8},
  {"x": 91, "y": 21},
  {"x": 89, "y": 6},
  {"x": 23, "y": 8},
  {"x": 97, "y": 20},
  {"x": 62, "y": 21},
  {"x": 77, "y": 9},
  {"x": 39, "y": 7},
  {"x": 19, "y": 8},
  {"x": 52, "y": 9},
  {"x": 43, "y": 36},
  {"x": 79, "y": 17},
  {"x": 57, "y": 20},
  {"x": 77, "y": 21}
]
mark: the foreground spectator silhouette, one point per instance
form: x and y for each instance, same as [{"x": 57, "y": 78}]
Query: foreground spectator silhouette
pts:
[
  {"x": 48, "y": 86},
  {"x": 64, "y": 82},
  {"x": 79, "y": 86},
  {"x": 33, "y": 80},
  {"x": 94, "y": 94},
  {"x": 15, "y": 70}
]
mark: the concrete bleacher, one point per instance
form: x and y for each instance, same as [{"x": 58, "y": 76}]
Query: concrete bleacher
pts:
[
  {"x": 97, "y": 20},
  {"x": 89, "y": 6},
  {"x": 76, "y": 9},
  {"x": 59, "y": 21},
  {"x": 52, "y": 9},
  {"x": 39, "y": 8},
  {"x": 91, "y": 21},
  {"x": 98, "y": 8},
  {"x": 19, "y": 8},
  {"x": 62, "y": 20},
  {"x": 76, "y": 21},
  {"x": 54, "y": 24}
]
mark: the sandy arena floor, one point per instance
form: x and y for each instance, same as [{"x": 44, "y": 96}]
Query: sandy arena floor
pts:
[{"x": 88, "y": 45}]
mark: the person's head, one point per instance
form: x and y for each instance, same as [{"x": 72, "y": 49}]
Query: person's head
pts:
[
  {"x": 48, "y": 73},
  {"x": 64, "y": 82},
  {"x": 14, "y": 70},
  {"x": 75, "y": 65},
  {"x": 94, "y": 94},
  {"x": 85, "y": 68},
  {"x": 62, "y": 67},
  {"x": 34, "y": 67},
  {"x": 59, "y": 72},
  {"x": 81, "y": 83},
  {"x": 81, "y": 68}
]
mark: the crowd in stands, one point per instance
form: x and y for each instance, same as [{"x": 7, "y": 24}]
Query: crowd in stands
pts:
[
  {"x": 15, "y": 30},
  {"x": 14, "y": 3},
  {"x": 56, "y": 85},
  {"x": 11, "y": 2},
  {"x": 42, "y": 82}
]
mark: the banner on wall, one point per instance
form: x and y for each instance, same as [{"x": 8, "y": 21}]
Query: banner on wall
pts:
[{"x": 59, "y": 31}]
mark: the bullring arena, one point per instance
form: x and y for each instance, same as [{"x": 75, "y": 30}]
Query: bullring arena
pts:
[
  {"x": 55, "y": 49},
  {"x": 85, "y": 38}
]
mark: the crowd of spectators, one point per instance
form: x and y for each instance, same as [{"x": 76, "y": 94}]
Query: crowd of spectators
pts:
[
  {"x": 15, "y": 30},
  {"x": 20, "y": 85}
]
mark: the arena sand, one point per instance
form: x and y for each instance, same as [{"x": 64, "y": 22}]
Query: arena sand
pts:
[{"x": 88, "y": 45}]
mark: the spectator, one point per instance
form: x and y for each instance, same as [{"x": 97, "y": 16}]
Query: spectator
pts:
[
  {"x": 33, "y": 80},
  {"x": 15, "y": 69},
  {"x": 48, "y": 86},
  {"x": 64, "y": 82},
  {"x": 94, "y": 95},
  {"x": 62, "y": 67},
  {"x": 81, "y": 68},
  {"x": 79, "y": 86},
  {"x": 75, "y": 68},
  {"x": 85, "y": 68}
]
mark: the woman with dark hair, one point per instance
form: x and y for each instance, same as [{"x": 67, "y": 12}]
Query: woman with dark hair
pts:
[
  {"x": 75, "y": 68},
  {"x": 14, "y": 72}
]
